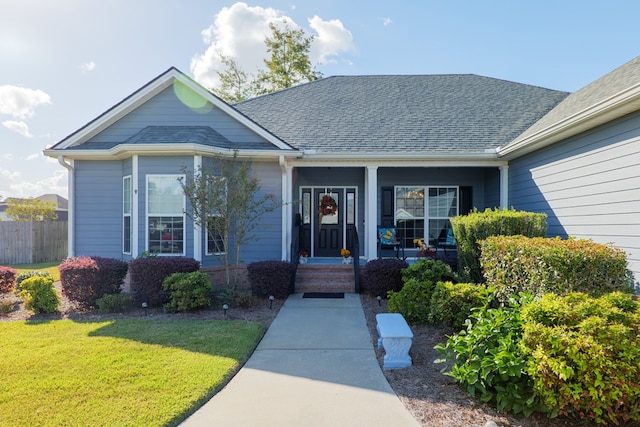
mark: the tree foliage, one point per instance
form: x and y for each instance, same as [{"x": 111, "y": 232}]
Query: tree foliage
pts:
[
  {"x": 226, "y": 200},
  {"x": 31, "y": 210},
  {"x": 288, "y": 65},
  {"x": 235, "y": 85}
]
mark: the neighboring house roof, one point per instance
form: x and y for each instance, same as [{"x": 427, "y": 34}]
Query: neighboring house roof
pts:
[
  {"x": 435, "y": 114},
  {"x": 611, "y": 96},
  {"x": 62, "y": 204}
]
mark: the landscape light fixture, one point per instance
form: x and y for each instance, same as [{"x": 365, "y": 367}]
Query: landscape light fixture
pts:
[
  {"x": 145, "y": 305},
  {"x": 271, "y": 298},
  {"x": 225, "y": 307},
  {"x": 379, "y": 298}
]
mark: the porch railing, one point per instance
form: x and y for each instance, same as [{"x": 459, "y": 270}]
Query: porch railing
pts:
[
  {"x": 295, "y": 251},
  {"x": 356, "y": 260}
]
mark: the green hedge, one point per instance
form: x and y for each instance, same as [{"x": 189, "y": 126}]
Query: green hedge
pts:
[
  {"x": 584, "y": 355},
  {"x": 453, "y": 303},
  {"x": 470, "y": 229},
  {"x": 516, "y": 263}
]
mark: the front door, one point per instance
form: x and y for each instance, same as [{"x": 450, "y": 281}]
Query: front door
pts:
[{"x": 328, "y": 222}]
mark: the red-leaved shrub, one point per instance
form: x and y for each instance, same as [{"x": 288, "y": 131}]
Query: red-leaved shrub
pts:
[
  {"x": 85, "y": 279},
  {"x": 7, "y": 279},
  {"x": 147, "y": 275},
  {"x": 383, "y": 275},
  {"x": 270, "y": 278}
]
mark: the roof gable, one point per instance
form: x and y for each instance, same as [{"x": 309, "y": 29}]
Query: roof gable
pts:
[{"x": 189, "y": 93}]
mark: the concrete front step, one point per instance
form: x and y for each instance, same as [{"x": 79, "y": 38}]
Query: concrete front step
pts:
[{"x": 325, "y": 278}]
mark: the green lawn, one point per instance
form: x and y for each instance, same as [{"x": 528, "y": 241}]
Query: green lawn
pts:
[
  {"x": 128, "y": 372},
  {"x": 51, "y": 267}
]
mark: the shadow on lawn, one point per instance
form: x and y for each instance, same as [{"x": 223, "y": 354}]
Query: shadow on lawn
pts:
[{"x": 229, "y": 339}]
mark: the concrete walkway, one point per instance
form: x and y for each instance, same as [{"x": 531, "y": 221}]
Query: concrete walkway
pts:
[{"x": 315, "y": 366}]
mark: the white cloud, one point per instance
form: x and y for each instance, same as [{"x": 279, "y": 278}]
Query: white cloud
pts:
[
  {"x": 239, "y": 31},
  {"x": 332, "y": 38},
  {"x": 386, "y": 21},
  {"x": 57, "y": 183},
  {"x": 87, "y": 67},
  {"x": 7, "y": 156},
  {"x": 17, "y": 126},
  {"x": 21, "y": 102},
  {"x": 33, "y": 156}
]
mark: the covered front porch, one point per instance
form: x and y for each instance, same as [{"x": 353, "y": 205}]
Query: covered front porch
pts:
[{"x": 335, "y": 206}]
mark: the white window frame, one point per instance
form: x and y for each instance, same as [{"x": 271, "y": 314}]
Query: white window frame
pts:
[
  {"x": 206, "y": 228},
  {"x": 426, "y": 218},
  {"x": 166, "y": 214},
  {"x": 126, "y": 214}
]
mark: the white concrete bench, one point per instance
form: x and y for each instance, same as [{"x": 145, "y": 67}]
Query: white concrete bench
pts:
[{"x": 395, "y": 338}]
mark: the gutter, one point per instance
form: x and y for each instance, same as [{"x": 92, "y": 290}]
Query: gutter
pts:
[{"x": 71, "y": 207}]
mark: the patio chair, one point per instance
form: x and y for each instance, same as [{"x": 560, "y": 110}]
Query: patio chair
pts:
[
  {"x": 447, "y": 241},
  {"x": 387, "y": 238}
]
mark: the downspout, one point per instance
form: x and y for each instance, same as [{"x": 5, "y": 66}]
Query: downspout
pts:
[{"x": 71, "y": 206}]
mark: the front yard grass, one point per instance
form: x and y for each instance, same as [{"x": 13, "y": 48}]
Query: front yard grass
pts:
[{"x": 125, "y": 372}]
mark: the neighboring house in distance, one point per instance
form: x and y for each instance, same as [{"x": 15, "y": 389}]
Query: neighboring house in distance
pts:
[
  {"x": 61, "y": 204},
  {"x": 406, "y": 150}
]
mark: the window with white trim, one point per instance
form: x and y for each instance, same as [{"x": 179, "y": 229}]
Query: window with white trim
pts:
[
  {"x": 417, "y": 206},
  {"x": 215, "y": 224},
  {"x": 126, "y": 215},
  {"x": 165, "y": 215}
]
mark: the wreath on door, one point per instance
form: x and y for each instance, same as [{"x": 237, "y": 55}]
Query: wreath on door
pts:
[{"x": 328, "y": 205}]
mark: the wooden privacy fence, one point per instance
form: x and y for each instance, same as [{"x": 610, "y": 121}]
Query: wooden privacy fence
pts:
[{"x": 32, "y": 242}]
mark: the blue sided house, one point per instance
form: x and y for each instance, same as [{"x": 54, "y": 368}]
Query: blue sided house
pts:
[{"x": 348, "y": 154}]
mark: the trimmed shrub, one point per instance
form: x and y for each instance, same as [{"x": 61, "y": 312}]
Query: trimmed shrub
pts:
[
  {"x": 26, "y": 274},
  {"x": 234, "y": 298},
  {"x": 188, "y": 291},
  {"x": 470, "y": 229},
  {"x": 428, "y": 270},
  {"x": 115, "y": 303},
  {"x": 452, "y": 304},
  {"x": 538, "y": 265},
  {"x": 412, "y": 301},
  {"x": 39, "y": 295},
  {"x": 85, "y": 279},
  {"x": 585, "y": 355},
  {"x": 7, "y": 279},
  {"x": 488, "y": 361},
  {"x": 270, "y": 278},
  {"x": 383, "y": 275},
  {"x": 148, "y": 274}
]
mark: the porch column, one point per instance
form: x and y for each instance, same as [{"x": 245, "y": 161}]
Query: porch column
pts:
[
  {"x": 504, "y": 187},
  {"x": 197, "y": 229},
  {"x": 135, "y": 207},
  {"x": 287, "y": 208},
  {"x": 371, "y": 213}
]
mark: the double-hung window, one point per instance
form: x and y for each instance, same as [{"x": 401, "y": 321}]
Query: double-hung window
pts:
[
  {"x": 424, "y": 212},
  {"x": 217, "y": 225},
  {"x": 165, "y": 215},
  {"x": 126, "y": 215}
]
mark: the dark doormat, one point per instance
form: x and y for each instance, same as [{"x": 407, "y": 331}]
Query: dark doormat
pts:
[{"x": 323, "y": 295}]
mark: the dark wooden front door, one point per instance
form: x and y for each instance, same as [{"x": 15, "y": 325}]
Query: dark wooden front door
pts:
[{"x": 328, "y": 229}]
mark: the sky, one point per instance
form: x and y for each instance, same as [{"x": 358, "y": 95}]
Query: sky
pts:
[{"x": 65, "y": 62}]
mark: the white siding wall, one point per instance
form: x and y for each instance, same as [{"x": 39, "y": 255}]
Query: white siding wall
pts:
[{"x": 589, "y": 186}]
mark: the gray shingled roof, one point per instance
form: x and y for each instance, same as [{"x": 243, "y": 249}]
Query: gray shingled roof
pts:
[
  {"x": 441, "y": 114},
  {"x": 620, "y": 79}
]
